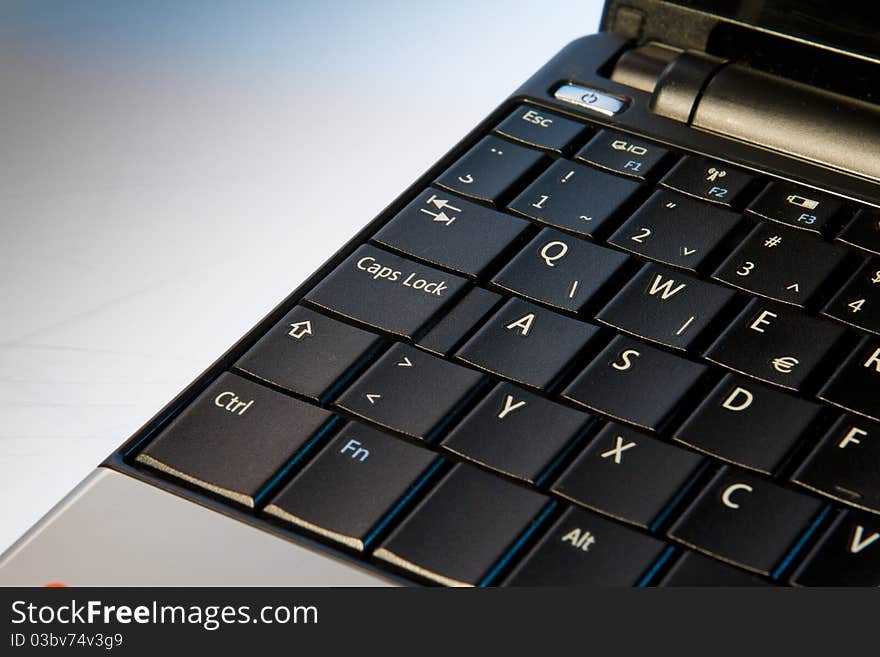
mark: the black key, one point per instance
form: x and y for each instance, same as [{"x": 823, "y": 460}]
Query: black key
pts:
[
  {"x": 583, "y": 549},
  {"x": 676, "y": 230},
  {"x": 748, "y": 424},
  {"x": 694, "y": 569},
  {"x": 451, "y": 232},
  {"x": 663, "y": 306},
  {"x": 490, "y": 168},
  {"x": 577, "y": 198},
  {"x": 775, "y": 343},
  {"x": 848, "y": 554},
  {"x": 633, "y": 382},
  {"x": 845, "y": 465},
  {"x": 234, "y": 437},
  {"x": 863, "y": 231},
  {"x": 781, "y": 263},
  {"x": 351, "y": 485},
  {"x": 409, "y": 391},
  {"x": 560, "y": 270},
  {"x": 463, "y": 528},
  {"x": 858, "y": 301},
  {"x": 796, "y": 206},
  {"x": 540, "y": 128},
  {"x": 708, "y": 180},
  {"x": 307, "y": 353},
  {"x": 526, "y": 343},
  {"x": 747, "y": 520},
  {"x": 623, "y": 154},
  {"x": 855, "y": 386},
  {"x": 627, "y": 475},
  {"x": 516, "y": 432},
  {"x": 386, "y": 291},
  {"x": 458, "y": 322}
]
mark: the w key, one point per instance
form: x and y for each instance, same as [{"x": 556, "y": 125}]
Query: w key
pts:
[
  {"x": 781, "y": 263},
  {"x": 560, "y": 270},
  {"x": 663, "y": 306}
]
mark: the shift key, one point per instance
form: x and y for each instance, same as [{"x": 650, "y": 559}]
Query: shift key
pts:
[{"x": 386, "y": 291}]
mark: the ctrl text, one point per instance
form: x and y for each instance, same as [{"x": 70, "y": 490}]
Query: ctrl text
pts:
[{"x": 65, "y": 640}]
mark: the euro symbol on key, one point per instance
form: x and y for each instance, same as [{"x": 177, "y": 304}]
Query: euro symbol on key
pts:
[{"x": 547, "y": 252}]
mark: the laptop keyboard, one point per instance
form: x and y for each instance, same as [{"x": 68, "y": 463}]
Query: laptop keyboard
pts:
[{"x": 577, "y": 358}]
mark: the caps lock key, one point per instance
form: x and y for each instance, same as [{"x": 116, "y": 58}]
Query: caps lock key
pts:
[{"x": 386, "y": 291}]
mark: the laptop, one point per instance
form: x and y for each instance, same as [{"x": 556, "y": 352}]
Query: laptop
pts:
[{"x": 625, "y": 333}]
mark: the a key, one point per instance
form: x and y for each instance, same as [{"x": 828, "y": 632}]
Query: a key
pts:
[
  {"x": 633, "y": 382},
  {"x": 796, "y": 206},
  {"x": 665, "y": 306},
  {"x": 503, "y": 432},
  {"x": 855, "y": 386},
  {"x": 560, "y": 270},
  {"x": 774, "y": 343},
  {"x": 451, "y": 232},
  {"x": 694, "y": 569},
  {"x": 583, "y": 549},
  {"x": 386, "y": 291},
  {"x": 845, "y": 465},
  {"x": 863, "y": 232},
  {"x": 352, "y": 485},
  {"x": 540, "y": 128},
  {"x": 708, "y": 180},
  {"x": 527, "y": 343},
  {"x": 575, "y": 197},
  {"x": 747, "y": 520},
  {"x": 490, "y": 169},
  {"x": 781, "y": 263},
  {"x": 462, "y": 528},
  {"x": 748, "y": 424},
  {"x": 627, "y": 475},
  {"x": 623, "y": 154},
  {"x": 449, "y": 332},
  {"x": 676, "y": 230},
  {"x": 848, "y": 554},
  {"x": 307, "y": 353},
  {"x": 409, "y": 391},
  {"x": 858, "y": 301},
  {"x": 234, "y": 437}
]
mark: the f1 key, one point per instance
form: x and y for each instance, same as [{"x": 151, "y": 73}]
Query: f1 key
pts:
[{"x": 623, "y": 154}]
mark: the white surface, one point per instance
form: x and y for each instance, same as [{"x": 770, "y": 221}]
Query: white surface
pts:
[{"x": 170, "y": 171}]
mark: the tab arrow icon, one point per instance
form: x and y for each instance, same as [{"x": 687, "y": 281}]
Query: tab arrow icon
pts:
[
  {"x": 442, "y": 216},
  {"x": 299, "y": 330},
  {"x": 441, "y": 203},
  {"x": 372, "y": 397}
]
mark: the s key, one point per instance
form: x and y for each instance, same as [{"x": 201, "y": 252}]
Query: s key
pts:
[
  {"x": 784, "y": 264},
  {"x": 774, "y": 343},
  {"x": 560, "y": 270},
  {"x": 635, "y": 383},
  {"x": 665, "y": 306}
]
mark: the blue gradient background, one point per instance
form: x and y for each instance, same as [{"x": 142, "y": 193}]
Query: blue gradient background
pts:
[{"x": 170, "y": 170}]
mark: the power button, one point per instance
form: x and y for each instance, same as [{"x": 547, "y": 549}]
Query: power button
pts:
[{"x": 591, "y": 99}]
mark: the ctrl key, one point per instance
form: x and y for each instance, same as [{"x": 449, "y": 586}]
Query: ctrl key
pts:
[{"x": 233, "y": 438}]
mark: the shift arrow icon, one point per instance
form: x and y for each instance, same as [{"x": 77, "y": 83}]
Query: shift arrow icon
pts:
[{"x": 299, "y": 330}]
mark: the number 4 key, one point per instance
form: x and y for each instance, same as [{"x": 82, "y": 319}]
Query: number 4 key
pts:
[{"x": 858, "y": 302}]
